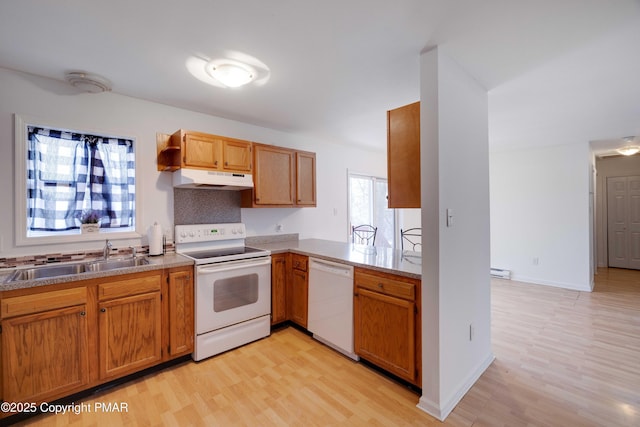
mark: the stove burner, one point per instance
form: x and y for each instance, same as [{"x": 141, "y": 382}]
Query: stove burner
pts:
[
  {"x": 215, "y": 243},
  {"x": 216, "y": 253}
]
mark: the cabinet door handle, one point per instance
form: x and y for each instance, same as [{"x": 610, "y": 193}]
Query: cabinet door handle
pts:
[
  {"x": 226, "y": 163},
  {"x": 215, "y": 163},
  {"x": 103, "y": 310},
  {"x": 380, "y": 285}
]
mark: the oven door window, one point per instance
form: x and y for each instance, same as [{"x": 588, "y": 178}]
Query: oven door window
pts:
[{"x": 234, "y": 292}]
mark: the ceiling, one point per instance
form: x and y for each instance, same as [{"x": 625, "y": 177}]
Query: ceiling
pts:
[{"x": 334, "y": 66}]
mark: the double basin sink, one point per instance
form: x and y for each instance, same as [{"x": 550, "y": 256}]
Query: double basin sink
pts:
[{"x": 50, "y": 271}]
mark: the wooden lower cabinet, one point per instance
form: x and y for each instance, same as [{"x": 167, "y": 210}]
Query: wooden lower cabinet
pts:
[
  {"x": 61, "y": 339},
  {"x": 387, "y": 323},
  {"x": 45, "y": 354},
  {"x": 129, "y": 334},
  {"x": 298, "y": 299},
  {"x": 181, "y": 312},
  {"x": 279, "y": 274}
]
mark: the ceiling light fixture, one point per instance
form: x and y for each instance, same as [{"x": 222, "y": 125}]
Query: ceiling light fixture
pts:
[
  {"x": 88, "y": 82},
  {"x": 230, "y": 73},
  {"x": 628, "y": 150}
]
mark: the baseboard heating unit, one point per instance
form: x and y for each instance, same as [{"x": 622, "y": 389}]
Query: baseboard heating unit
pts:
[{"x": 503, "y": 274}]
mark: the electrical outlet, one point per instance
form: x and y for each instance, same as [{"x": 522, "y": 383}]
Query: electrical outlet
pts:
[
  {"x": 471, "y": 331},
  {"x": 536, "y": 261},
  {"x": 278, "y": 228}
]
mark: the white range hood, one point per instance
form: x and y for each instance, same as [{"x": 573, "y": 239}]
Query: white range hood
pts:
[{"x": 213, "y": 180}]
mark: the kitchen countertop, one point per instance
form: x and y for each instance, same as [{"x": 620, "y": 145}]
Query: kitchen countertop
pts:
[
  {"x": 155, "y": 263},
  {"x": 385, "y": 260},
  {"x": 381, "y": 259}
]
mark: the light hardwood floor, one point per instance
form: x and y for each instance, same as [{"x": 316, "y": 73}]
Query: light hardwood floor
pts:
[{"x": 563, "y": 358}]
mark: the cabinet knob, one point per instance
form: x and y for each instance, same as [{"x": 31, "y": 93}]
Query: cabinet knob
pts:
[
  {"x": 103, "y": 310},
  {"x": 83, "y": 313},
  {"x": 380, "y": 285},
  {"x": 215, "y": 163},
  {"x": 226, "y": 163}
]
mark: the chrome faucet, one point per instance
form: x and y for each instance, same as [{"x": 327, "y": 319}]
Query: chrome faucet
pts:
[
  {"x": 133, "y": 251},
  {"x": 107, "y": 250}
]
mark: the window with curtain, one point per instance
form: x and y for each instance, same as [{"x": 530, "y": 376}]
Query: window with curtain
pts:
[
  {"x": 368, "y": 205},
  {"x": 70, "y": 174}
]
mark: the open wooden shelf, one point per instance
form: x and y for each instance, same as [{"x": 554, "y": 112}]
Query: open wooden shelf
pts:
[{"x": 168, "y": 155}]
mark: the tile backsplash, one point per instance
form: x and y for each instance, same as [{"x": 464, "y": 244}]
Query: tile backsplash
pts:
[
  {"x": 204, "y": 206},
  {"x": 28, "y": 260}
]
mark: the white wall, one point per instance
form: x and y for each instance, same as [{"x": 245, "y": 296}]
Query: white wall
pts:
[
  {"x": 455, "y": 274},
  {"x": 609, "y": 167},
  {"x": 112, "y": 113},
  {"x": 540, "y": 210},
  {"x": 539, "y": 195}
]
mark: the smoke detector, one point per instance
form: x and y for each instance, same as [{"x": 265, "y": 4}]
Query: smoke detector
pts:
[{"x": 88, "y": 82}]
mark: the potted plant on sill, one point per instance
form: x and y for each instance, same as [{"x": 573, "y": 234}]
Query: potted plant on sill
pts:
[{"x": 89, "y": 222}]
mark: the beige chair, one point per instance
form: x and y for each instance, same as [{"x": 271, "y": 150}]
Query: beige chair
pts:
[
  {"x": 364, "y": 235},
  {"x": 411, "y": 239}
]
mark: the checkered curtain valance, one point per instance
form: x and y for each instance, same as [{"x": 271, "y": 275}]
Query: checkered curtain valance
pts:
[{"x": 69, "y": 173}]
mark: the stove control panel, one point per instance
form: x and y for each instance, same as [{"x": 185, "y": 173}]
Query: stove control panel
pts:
[{"x": 209, "y": 232}]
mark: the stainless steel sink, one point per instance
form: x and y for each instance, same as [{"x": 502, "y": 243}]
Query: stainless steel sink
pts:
[
  {"x": 115, "y": 264},
  {"x": 46, "y": 272},
  {"x": 49, "y": 271}
]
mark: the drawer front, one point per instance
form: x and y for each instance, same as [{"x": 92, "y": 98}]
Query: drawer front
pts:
[
  {"x": 36, "y": 303},
  {"x": 128, "y": 287},
  {"x": 386, "y": 285},
  {"x": 299, "y": 262}
]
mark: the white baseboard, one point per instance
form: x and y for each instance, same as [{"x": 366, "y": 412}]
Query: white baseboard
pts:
[
  {"x": 441, "y": 412},
  {"x": 572, "y": 286}
]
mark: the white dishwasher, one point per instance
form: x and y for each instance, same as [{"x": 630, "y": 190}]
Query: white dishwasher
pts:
[{"x": 330, "y": 313}]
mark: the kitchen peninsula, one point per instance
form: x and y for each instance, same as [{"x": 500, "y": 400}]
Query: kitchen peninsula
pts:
[
  {"x": 407, "y": 264},
  {"x": 386, "y": 289}
]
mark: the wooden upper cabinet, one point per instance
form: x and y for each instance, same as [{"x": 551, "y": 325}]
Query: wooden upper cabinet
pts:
[
  {"x": 273, "y": 178},
  {"x": 403, "y": 156},
  {"x": 199, "y": 150},
  {"x": 236, "y": 155},
  {"x": 282, "y": 177},
  {"x": 305, "y": 178},
  {"x": 212, "y": 152}
]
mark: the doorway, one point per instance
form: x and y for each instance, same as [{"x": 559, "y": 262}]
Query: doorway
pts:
[
  {"x": 368, "y": 205},
  {"x": 609, "y": 168},
  {"x": 623, "y": 221}
]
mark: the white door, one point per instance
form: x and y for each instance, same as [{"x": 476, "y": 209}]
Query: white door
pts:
[{"x": 623, "y": 215}]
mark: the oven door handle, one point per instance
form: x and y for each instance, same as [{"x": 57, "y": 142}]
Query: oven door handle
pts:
[{"x": 236, "y": 265}]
